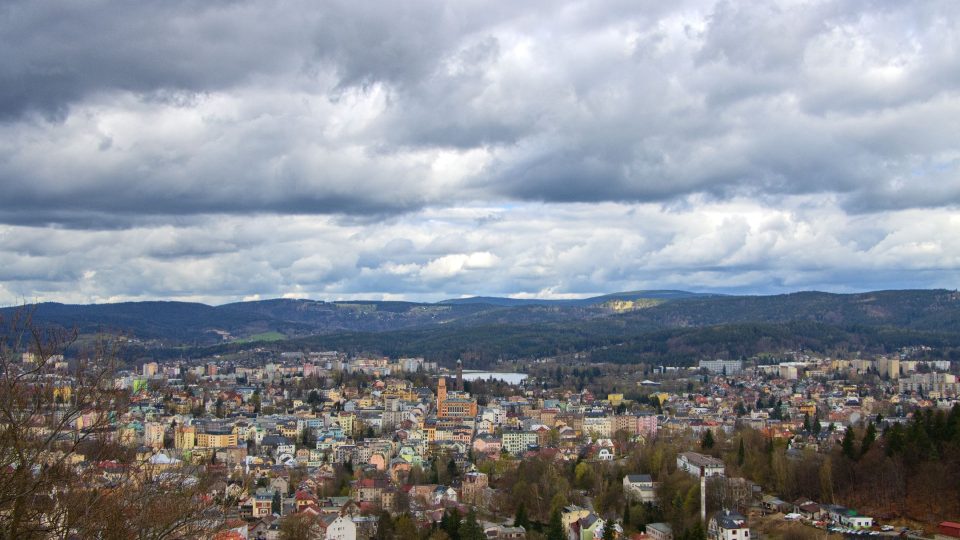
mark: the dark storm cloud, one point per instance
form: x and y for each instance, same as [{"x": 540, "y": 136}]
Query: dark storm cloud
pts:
[
  {"x": 112, "y": 111},
  {"x": 216, "y": 150},
  {"x": 57, "y": 53}
]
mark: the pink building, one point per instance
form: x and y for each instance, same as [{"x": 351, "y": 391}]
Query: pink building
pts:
[{"x": 647, "y": 425}]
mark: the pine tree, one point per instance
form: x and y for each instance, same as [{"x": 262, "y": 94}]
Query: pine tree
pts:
[
  {"x": 385, "y": 529},
  {"x": 470, "y": 529},
  {"x": 741, "y": 453},
  {"x": 435, "y": 471},
  {"x": 707, "y": 442},
  {"x": 806, "y": 422},
  {"x": 452, "y": 525},
  {"x": 520, "y": 518},
  {"x": 696, "y": 532},
  {"x": 255, "y": 400},
  {"x": 452, "y": 469},
  {"x": 895, "y": 440},
  {"x": 555, "y": 527},
  {"x": 847, "y": 444},
  {"x": 740, "y": 409},
  {"x": 868, "y": 438},
  {"x": 276, "y": 506}
]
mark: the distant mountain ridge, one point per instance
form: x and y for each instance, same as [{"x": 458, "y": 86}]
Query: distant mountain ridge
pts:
[
  {"x": 627, "y": 313},
  {"x": 591, "y": 301}
]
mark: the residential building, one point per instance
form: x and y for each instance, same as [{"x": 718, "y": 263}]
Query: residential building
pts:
[
  {"x": 692, "y": 463},
  {"x": 728, "y": 525},
  {"x": 660, "y": 531},
  {"x": 517, "y": 442},
  {"x": 640, "y": 488},
  {"x": 722, "y": 367}
]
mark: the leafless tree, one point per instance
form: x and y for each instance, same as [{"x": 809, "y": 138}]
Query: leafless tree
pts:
[{"x": 63, "y": 473}]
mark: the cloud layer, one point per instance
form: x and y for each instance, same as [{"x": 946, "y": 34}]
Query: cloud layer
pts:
[{"x": 220, "y": 150}]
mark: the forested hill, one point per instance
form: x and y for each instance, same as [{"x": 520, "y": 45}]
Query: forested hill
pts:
[
  {"x": 637, "y": 320},
  {"x": 924, "y": 310}
]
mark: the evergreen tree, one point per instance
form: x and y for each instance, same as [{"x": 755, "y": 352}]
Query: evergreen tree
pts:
[
  {"x": 470, "y": 529},
  {"x": 276, "y": 506},
  {"x": 847, "y": 444},
  {"x": 817, "y": 427},
  {"x": 868, "y": 437},
  {"x": 696, "y": 532},
  {"x": 740, "y": 410},
  {"x": 435, "y": 471},
  {"x": 806, "y": 422},
  {"x": 385, "y": 527},
  {"x": 555, "y": 527},
  {"x": 452, "y": 469},
  {"x": 451, "y": 523},
  {"x": 707, "y": 442},
  {"x": 895, "y": 440},
  {"x": 777, "y": 413},
  {"x": 255, "y": 400},
  {"x": 741, "y": 453},
  {"x": 520, "y": 518}
]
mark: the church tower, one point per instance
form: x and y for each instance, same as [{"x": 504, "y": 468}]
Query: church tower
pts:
[{"x": 441, "y": 392}]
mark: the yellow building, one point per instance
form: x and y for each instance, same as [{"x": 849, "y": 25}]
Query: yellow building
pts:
[
  {"x": 345, "y": 421},
  {"x": 217, "y": 439},
  {"x": 185, "y": 437},
  {"x": 289, "y": 430},
  {"x": 61, "y": 394},
  {"x": 572, "y": 514}
]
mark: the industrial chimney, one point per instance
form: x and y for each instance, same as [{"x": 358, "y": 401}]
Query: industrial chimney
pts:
[{"x": 703, "y": 496}]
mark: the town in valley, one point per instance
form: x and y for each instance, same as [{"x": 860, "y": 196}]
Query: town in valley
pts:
[{"x": 324, "y": 444}]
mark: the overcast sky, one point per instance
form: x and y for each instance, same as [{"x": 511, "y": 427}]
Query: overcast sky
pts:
[{"x": 226, "y": 150}]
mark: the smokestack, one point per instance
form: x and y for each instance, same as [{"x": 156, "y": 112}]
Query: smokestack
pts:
[
  {"x": 703, "y": 496},
  {"x": 459, "y": 375}
]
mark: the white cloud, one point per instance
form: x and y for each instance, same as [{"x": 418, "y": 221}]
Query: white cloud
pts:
[
  {"x": 533, "y": 250},
  {"x": 336, "y": 150}
]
